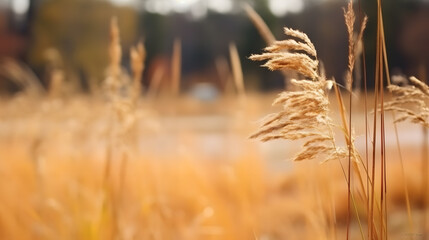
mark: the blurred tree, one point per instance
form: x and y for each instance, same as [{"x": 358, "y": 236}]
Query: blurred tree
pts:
[{"x": 79, "y": 30}]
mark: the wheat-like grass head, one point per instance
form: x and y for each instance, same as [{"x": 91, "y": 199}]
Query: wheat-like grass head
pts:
[{"x": 305, "y": 113}]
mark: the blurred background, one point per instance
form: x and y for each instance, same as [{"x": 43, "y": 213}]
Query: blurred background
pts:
[
  {"x": 75, "y": 35},
  {"x": 107, "y": 166}
]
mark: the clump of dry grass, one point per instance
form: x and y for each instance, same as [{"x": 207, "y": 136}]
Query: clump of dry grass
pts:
[
  {"x": 124, "y": 105},
  {"x": 305, "y": 113},
  {"x": 286, "y": 55},
  {"x": 410, "y": 102}
]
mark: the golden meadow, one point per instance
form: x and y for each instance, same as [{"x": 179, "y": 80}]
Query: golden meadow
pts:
[{"x": 338, "y": 163}]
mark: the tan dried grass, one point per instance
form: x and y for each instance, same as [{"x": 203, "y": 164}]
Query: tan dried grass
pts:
[
  {"x": 237, "y": 71},
  {"x": 305, "y": 113},
  {"x": 176, "y": 67},
  {"x": 259, "y": 23},
  {"x": 286, "y": 55},
  {"x": 410, "y": 102}
]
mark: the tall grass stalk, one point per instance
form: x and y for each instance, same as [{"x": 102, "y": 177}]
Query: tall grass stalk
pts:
[
  {"x": 381, "y": 46},
  {"x": 349, "y": 20},
  {"x": 260, "y": 25},
  {"x": 368, "y": 180},
  {"x": 237, "y": 71},
  {"x": 138, "y": 57},
  {"x": 350, "y": 194},
  {"x": 176, "y": 67},
  {"x": 425, "y": 179},
  {"x": 113, "y": 85},
  {"x": 381, "y": 62},
  {"x": 425, "y": 163},
  {"x": 108, "y": 214},
  {"x": 411, "y": 103}
]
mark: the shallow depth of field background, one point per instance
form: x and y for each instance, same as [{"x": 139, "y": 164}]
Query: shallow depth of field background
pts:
[{"x": 182, "y": 167}]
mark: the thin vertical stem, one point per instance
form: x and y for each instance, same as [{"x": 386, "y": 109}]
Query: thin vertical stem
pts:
[
  {"x": 349, "y": 166},
  {"x": 371, "y": 214},
  {"x": 237, "y": 71},
  {"x": 366, "y": 121},
  {"x": 425, "y": 164},
  {"x": 425, "y": 180},
  {"x": 381, "y": 50},
  {"x": 407, "y": 195},
  {"x": 383, "y": 159}
]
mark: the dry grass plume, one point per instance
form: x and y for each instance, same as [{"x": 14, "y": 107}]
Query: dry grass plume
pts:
[{"x": 305, "y": 113}]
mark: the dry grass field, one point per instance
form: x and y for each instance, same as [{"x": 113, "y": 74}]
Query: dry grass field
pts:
[
  {"x": 326, "y": 161},
  {"x": 180, "y": 173}
]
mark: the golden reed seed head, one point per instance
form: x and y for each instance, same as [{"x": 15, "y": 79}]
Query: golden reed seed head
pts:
[
  {"x": 291, "y": 45},
  {"x": 305, "y": 113},
  {"x": 354, "y": 43},
  {"x": 410, "y": 102},
  {"x": 299, "y": 56},
  {"x": 301, "y": 36}
]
